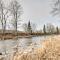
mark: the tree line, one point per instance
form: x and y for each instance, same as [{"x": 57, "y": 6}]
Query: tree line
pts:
[
  {"x": 50, "y": 29},
  {"x": 47, "y": 28}
]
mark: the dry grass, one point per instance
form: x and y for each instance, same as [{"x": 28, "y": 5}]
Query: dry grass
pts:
[{"x": 50, "y": 50}]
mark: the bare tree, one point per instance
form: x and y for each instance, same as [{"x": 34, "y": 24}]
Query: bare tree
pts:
[
  {"x": 5, "y": 18},
  {"x": 56, "y": 8},
  {"x": 16, "y": 10},
  {"x": 50, "y": 28},
  {"x": 33, "y": 26},
  {"x": 3, "y": 15},
  {"x": 25, "y": 27}
]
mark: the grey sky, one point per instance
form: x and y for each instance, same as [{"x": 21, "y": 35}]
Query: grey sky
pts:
[{"x": 38, "y": 11}]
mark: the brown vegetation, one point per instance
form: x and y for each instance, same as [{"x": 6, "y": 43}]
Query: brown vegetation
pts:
[{"x": 50, "y": 50}]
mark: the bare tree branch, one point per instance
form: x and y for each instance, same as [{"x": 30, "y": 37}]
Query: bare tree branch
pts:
[{"x": 56, "y": 9}]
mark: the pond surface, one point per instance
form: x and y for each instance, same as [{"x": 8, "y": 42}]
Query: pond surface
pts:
[{"x": 6, "y": 46}]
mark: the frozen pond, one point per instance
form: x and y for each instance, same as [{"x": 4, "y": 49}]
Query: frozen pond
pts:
[{"x": 9, "y": 46}]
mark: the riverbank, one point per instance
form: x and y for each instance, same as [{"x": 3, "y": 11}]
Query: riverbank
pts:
[
  {"x": 49, "y": 49},
  {"x": 11, "y": 34},
  {"x": 6, "y": 36}
]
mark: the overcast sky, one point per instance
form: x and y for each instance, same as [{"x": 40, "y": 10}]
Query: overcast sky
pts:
[{"x": 38, "y": 11}]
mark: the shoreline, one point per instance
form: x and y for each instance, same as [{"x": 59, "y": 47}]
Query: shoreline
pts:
[{"x": 13, "y": 36}]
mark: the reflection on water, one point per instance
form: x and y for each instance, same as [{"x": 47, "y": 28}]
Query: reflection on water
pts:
[{"x": 7, "y": 46}]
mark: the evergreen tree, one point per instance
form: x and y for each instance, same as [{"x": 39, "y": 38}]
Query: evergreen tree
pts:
[
  {"x": 57, "y": 29},
  {"x": 29, "y": 27},
  {"x": 44, "y": 29}
]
